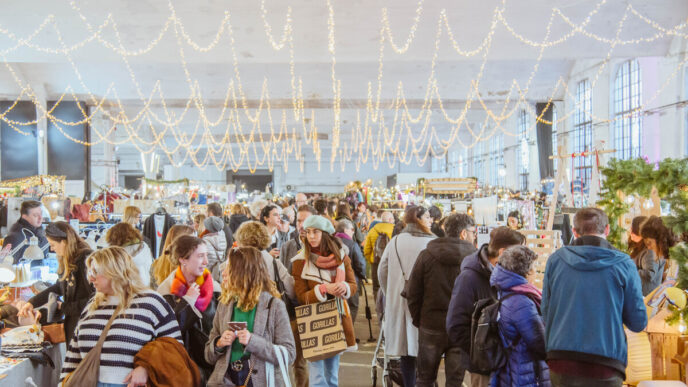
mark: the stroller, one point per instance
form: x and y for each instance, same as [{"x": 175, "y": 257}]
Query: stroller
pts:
[{"x": 391, "y": 368}]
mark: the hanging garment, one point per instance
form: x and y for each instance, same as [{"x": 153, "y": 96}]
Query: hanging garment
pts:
[{"x": 151, "y": 229}]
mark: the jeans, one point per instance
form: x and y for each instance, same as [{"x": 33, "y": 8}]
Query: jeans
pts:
[
  {"x": 431, "y": 346},
  {"x": 324, "y": 373},
  {"x": 408, "y": 370},
  {"x": 111, "y": 385},
  {"x": 560, "y": 380}
]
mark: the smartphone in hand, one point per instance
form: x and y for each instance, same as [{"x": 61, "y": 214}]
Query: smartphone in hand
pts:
[{"x": 237, "y": 325}]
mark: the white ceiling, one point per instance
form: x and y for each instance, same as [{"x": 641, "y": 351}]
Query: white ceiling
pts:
[{"x": 93, "y": 67}]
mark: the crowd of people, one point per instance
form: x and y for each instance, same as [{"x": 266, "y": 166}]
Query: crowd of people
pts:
[{"x": 221, "y": 298}]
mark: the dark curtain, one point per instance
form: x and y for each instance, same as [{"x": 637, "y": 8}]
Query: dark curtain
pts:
[
  {"x": 66, "y": 157},
  {"x": 544, "y": 139},
  {"x": 19, "y": 151}
]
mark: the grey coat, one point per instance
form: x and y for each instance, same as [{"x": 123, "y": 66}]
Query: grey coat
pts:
[
  {"x": 260, "y": 345},
  {"x": 650, "y": 270},
  {"x": 217, "y": 249},
  {"x": 289, "y": 251}
]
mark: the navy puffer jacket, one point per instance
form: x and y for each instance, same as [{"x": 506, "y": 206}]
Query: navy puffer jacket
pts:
[{"x": 522, "y": 330}]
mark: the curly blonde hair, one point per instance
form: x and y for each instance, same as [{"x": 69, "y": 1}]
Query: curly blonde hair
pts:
[
  {"x": 117, "y": 265},
  {"x": 253, "y": 234},
  {"x": 246, "y": 278}
]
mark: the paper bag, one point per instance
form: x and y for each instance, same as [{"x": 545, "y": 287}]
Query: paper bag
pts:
[{"x": 320, "y": 329}]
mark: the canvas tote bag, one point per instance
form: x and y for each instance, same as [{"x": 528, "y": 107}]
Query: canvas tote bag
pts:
[{"x": 87, "y": 372}]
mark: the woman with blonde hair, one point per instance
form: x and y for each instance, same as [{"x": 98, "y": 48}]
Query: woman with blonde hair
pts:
[
  {"x": 260, "y": 339},
  {"x": 193, "y": 295},
  {"x": 132, "y": 215},
  {"x": 198, "y": 223},
  {"x": 73, "y": 285},
  {"x": 139, "y": 316},
  {"x": 126, "y": 236},
  {"x": 164, "y": 265}
]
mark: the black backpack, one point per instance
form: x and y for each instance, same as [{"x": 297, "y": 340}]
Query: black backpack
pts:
[
  {"x": 487, "y": 349},
  {"x": 380, "y": 244}
]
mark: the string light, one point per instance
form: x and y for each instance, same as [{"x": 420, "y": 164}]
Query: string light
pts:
[{"x": 418, "y": 144}]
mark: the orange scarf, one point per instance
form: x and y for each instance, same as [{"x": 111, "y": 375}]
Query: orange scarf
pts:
[{"x": 205, "y": 282}]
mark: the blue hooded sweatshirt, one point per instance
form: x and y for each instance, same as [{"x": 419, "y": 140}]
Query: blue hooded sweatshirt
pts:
[{"x": 590, "y": 292}]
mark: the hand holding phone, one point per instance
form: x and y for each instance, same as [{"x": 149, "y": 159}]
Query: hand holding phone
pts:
[{"x": 236, "y": 326}]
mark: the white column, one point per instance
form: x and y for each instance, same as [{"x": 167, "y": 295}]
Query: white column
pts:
[{"x": 41, "y": 129}]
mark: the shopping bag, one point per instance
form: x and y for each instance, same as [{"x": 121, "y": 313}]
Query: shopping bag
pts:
[{"x": 320, "y": 329}]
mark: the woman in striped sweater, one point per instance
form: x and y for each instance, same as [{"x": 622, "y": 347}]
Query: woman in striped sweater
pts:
[{"x": 142, "y": 316}]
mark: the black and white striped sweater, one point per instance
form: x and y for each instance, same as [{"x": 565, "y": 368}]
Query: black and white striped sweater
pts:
[{"x": 149, "y": 317}]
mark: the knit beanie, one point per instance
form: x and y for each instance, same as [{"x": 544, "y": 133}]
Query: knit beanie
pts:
[
  {"x": 319, "y": 222},
  {"x": 213, "y": 224}
]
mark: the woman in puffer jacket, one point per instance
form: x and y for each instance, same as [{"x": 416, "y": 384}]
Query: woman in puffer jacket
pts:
[
  {"x": 520, "y": 324},
  {"x": 215, "y": 240}
]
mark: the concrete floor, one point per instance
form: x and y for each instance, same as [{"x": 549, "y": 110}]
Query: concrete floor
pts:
[{"x": 355, "y": 367}]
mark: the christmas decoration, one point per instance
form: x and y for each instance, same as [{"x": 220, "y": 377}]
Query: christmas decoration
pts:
[{"x": 638, "y": 177}]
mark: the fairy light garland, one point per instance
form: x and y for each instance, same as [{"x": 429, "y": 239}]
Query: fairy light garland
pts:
[{"x": 419, "y": 142}]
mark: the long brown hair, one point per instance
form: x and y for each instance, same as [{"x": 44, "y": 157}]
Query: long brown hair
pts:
[
  {"x": 654, "y": 228},
  {"x": 247, "y": 277},
  {"x": 73, "y": 250},
  {"x": 328, "y": 245},
  {"x": 343, "y": 209},
  {"x": 163, "y": 266},
  {"x": 412, "y": 215}
]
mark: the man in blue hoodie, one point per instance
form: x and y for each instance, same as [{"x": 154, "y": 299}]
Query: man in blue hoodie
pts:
[{"x": 590, "y": 291}]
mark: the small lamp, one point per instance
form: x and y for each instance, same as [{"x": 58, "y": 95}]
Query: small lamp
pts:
[{"x": 33, "y": 252}]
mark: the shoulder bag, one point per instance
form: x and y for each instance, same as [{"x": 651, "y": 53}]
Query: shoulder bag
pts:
[
  {"x": 401, "y": 267},
  {"x": 88, "y": 370}
]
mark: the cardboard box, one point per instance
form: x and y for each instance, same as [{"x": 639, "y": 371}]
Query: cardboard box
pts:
[{"x": 320, "y": 330}]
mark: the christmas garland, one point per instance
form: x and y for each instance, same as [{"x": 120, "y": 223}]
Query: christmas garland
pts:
[
  {"x": 637, "y": 177},
  {"x": 163, "y": 182}
]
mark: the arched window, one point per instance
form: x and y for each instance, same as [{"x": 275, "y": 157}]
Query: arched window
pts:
[
  {"x": 628, "y": 125},
  {"x": 582, "y": 132}
]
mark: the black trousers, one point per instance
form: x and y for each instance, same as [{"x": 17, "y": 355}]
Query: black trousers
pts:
[
  {"x": 431, "y": 346},
  {"x": 559, "y": 380}
]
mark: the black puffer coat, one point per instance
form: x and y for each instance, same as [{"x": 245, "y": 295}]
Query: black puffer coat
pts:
[
  {"x": 432, "y": 279},
  {"x": 472, "y": 284}
]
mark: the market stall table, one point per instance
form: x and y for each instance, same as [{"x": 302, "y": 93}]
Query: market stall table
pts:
[{"x": 14, "y": 372}]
